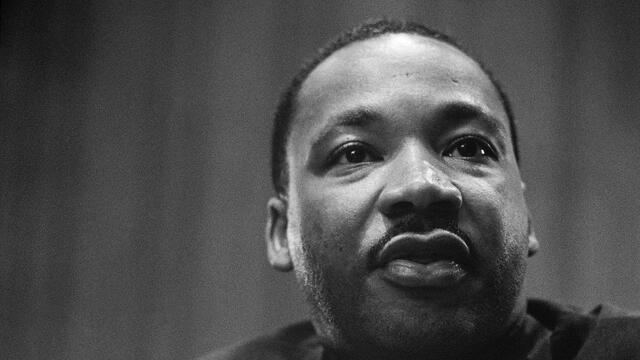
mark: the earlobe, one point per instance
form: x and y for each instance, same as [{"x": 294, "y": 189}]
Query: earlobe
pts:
[
  {"x": 533, "y": 245},
  {"x": 276, "y": 234}
]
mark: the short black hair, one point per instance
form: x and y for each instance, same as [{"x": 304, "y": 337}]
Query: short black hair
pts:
[{"x": 286, "y": 107}]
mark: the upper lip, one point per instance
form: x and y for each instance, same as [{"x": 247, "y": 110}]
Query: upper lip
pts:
[{"x": 436, "y": 245}]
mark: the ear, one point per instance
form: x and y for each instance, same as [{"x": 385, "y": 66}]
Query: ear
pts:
[
  {"x": 276, "y": 234},
  {"x": 533, "y": 244}
]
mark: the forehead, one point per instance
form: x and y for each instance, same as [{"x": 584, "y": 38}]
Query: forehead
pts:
[
  {"x": 393, "y": 67},
  {"x": 391, "y": 53}
]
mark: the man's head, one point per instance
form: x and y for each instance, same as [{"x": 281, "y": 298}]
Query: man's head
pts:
[{"x": 402, "y": 212}]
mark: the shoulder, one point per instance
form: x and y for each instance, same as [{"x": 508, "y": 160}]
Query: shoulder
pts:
[
  {"x": 606, "y": 332},
  {"x": 297, "y": 341},
  {"x": 616, "y": 333}
]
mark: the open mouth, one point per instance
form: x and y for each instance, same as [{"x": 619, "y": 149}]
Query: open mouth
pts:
[{"x": 436, "y": 259}]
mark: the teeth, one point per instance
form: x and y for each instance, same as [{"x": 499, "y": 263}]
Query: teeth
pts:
[
  {"x": 422, "y": 259},
  {"x": 427, "y": 258}
]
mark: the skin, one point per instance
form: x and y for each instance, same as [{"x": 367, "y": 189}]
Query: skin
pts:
[{"x": 388, "y": 129}]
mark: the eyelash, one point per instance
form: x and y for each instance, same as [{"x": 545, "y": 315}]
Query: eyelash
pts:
[
  {"x": 484, "y": 146},
  {"x": 343, "y": 150}
]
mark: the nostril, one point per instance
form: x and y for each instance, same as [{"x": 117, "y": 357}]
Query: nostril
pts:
[
  {"x": 438, "y": 209},
  {"x": 444, "y": 209},
  {"x": 401, "y": 208}
]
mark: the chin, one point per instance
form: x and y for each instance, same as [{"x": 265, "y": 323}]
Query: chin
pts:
[
  {"x": 436, "y": 332},
  {"x": 397, "y": 326}
]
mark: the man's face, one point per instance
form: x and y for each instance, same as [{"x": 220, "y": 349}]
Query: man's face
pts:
[{"x": 405, "y": 220}]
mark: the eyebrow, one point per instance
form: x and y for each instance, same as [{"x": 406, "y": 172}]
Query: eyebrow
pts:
[
  {"x": 459, "y": 112},
  {"x": 361, "y": 117},
  {"x": 450, "y": 115}
]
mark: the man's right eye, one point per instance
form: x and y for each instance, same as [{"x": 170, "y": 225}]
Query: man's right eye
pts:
[{"x": 354, "y": 153}]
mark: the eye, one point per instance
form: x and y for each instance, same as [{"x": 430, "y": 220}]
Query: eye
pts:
[
  {"x": 470, "y": 148},
  {"x": 354, "y": 153}
]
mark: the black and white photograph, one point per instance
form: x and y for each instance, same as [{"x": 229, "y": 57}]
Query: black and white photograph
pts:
[{"x": 320, "y": 180}]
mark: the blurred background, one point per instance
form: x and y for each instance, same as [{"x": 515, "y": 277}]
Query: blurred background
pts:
[{"x": 135, "y": 160}]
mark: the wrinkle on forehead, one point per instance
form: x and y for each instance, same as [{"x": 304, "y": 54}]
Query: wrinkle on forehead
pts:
[{"x": 406, "y": 74}]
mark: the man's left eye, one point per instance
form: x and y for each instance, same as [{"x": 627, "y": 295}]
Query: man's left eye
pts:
[{"x": 470, "y": 148}]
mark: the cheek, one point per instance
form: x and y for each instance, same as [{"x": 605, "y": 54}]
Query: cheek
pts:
[
  {"x": 330, "y": 221},
  {"x": 496, "y": 208}
]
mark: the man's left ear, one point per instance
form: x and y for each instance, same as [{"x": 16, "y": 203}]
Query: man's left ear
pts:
[
  {"x": 533, "y": 245},
  {"x": 276, "y": 234}
]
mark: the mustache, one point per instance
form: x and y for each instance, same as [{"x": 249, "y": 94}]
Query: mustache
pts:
[{"x": 414, "y": 224}]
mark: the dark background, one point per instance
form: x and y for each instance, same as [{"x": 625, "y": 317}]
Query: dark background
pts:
[{"x": 134, "y": 160}]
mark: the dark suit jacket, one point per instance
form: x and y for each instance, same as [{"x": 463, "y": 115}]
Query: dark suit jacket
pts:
[{"x": 555, "y": 332}]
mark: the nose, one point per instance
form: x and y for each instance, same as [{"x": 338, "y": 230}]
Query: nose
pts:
[{"x": 415, "y": 185}]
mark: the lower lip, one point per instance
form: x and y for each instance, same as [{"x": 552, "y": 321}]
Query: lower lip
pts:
[{"x": 437, "y": 274}]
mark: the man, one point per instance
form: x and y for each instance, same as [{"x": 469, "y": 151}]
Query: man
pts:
[{"x": 401, "y": 209}]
